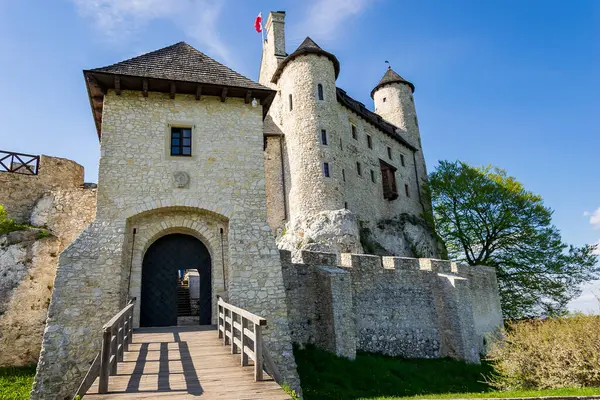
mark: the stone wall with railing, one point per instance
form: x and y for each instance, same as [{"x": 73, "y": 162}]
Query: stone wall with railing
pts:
[{"x": 19, "y": 192}]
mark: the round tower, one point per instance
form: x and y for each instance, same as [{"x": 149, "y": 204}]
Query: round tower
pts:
[
  {"x": 307, "y": 98},
  {"x": 393, "y": 97}
]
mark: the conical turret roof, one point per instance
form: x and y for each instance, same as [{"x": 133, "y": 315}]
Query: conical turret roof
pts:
[
  {"x": 308, "y": 46},
  {"x": 391, "y": 76}
]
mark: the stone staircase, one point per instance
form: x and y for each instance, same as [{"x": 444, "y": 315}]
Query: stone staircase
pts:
[{"x": 184, "y": 308}]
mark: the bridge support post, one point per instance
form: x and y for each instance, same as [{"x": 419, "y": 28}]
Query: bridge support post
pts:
[
  {"x": 114, "y": 347},
  {"x": 258, "y": 353},
  {"x": 244, "y": 323},
  {"x": 104, "y": 362}
]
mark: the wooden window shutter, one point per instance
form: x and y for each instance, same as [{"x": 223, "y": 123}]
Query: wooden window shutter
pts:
[{"x": 388, "y": 181}]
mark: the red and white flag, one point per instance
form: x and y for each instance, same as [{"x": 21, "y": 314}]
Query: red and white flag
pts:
[{"x": 258, "y": 23}]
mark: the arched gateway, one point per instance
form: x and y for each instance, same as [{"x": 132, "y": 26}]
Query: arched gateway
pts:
[{"x": 162, "y": 262}]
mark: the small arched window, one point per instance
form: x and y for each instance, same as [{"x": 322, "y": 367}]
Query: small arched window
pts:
[
  {"x": 320, "y": 91},
  {"x": 291, "y": 105}
]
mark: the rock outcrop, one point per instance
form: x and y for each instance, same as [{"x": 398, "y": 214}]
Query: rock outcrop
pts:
[
  {"x": 28, "y": 261},
  {"x": 334, "y": 231}
]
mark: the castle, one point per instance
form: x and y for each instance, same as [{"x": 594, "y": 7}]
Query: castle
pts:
[
  {"x": 201, "y": 167},
  {"x": 326, "y": 151}
]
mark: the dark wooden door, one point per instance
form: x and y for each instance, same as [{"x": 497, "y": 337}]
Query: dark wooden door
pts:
[{"x": 159, "y": 278}]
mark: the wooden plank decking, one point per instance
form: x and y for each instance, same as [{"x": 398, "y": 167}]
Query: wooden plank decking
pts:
[{"x": 184, "y": 363}]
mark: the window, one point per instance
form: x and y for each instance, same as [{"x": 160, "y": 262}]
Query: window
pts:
[
  {"x": 181, "y": 142},
  {"x": 344, "y": 175},
  {"x": 369, "y": 141},
  {"x": 341, "y": 144},
  {"x": 416, "y": 122},
  {"x": 354, "y": 135},
  {"x": 320, "y": 91},
  {"x": 358, "y": 169},
  {"x": 384, "y": 99},
  {"x": 406, "y": 190},
  {"x": 372, "y": 176},
  {"x": 402, "y": 160},
  {"x": 326, "y": 169},
  {"x": 388, "y": 181},
  {"x": 389, "y": 149},
  {"x": 346, "y": 205},
  {"x": 291, "y": 104},
  {"x": 324, "y": 137}
]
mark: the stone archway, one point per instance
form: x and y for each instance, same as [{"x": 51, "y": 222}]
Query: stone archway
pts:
[
  {"x": 209, "y": 228},
  {"x": 162, "y": 261}
]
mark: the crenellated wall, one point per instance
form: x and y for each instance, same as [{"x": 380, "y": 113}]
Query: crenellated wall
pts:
[{"x": 399, "y": 306}]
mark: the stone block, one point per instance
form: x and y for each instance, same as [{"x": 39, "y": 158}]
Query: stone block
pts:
[
  {"x": 285, "y": 256},
  {"x": 318, "y": 258},
  {"x": 362, "y": 262},
  {"x": 431, "y": 264},
  {"x": 400, "y": 263}
]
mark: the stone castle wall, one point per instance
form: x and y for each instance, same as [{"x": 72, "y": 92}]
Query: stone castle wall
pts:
[
  {"x": 415, "y": 308},
  {"x": 21, "y": 191},
  {"x": 226, "y": 189}
]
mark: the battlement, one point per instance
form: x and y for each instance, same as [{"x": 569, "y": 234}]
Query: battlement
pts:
[
  {"x": 367, "y": 262},
  {"x": 434, "y": 308}
]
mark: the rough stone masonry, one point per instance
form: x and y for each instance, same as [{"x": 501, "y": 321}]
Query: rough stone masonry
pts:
[{"x": 189, "y": 146}]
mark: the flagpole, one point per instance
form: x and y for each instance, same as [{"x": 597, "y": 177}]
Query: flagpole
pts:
[{"x": 262, "y": 30}]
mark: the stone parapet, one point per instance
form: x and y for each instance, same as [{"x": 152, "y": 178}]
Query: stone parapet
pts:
[
  {"x": 318, "y": 258},
  {"x": 399, "y": 306}
]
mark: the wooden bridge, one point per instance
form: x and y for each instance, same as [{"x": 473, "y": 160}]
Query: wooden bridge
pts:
[{"x": 183, "y": 362}]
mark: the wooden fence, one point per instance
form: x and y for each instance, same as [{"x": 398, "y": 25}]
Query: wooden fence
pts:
[
  {"x": 242, "y": 330},
  {"x": 19, "y": 163},
  {"x": 117, "y": 335}
]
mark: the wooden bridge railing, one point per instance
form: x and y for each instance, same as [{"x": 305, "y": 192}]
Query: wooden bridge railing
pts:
[
  {"x": 117, "y": 335},
  {"x": 242, "y": 330},
  {"x": 20, "y": 163}
]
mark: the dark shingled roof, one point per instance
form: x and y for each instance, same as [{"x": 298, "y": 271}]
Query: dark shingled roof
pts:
[
  {"x": 176, "y": 69},
  {"x": 375, "y": 119},
  {"x": 180, "y": 62},
  {"x": 307, "y": 47},
  {"x": 391, "y": 76}
]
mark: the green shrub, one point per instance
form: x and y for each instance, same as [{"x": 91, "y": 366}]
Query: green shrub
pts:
[
  {"x": 8, "y": 225},
  {"x": 549, "y": 354},
  {"x": 43, "y": 234}
]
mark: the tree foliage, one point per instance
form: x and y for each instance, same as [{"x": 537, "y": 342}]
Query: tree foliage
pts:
[{"x": 488, "y": 218}]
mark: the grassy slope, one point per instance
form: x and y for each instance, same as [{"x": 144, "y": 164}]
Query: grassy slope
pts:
[
  {"x": 327, "y": 377},
  {"x": 15, "y": 382}
]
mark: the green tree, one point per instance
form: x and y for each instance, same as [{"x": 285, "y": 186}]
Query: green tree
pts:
[{"x": 488, "y": 218}]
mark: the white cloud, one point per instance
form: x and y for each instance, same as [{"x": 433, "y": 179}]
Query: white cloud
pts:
[
  {"x": 594, "y": 218},
  {"x": 324, "y": 18},
  {"x": 120, "y": 19}
]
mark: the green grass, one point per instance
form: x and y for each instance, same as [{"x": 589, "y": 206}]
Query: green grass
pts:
[
  {"x": 375, "y": 377},
  {"x": 15, "y": 382},
  {"x": 513, "y": 393}
]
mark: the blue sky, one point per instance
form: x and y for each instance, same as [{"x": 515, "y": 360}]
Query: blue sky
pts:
[{"x": 509, "y": 83}]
